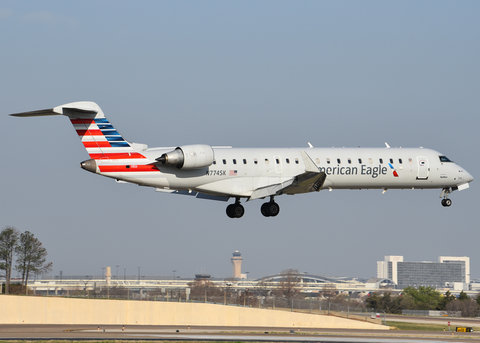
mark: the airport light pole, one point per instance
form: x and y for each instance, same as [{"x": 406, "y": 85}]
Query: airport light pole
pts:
[
  {"x": 117, "y": 270},
  {"x": 138, "y": 274},
  {"x": 124, "y": 274},
  {"x": 174, "y": 271}
]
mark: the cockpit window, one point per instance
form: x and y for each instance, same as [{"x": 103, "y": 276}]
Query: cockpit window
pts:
[{"x": 444, "y": 159}]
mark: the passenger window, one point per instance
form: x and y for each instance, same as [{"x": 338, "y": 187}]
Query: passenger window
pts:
[
  {"x": 360, "y": 161},
  {"x": 380, "y": 160},
  {"x": 234, "y": 161},
  {"x": 338, "y": 161},
  {"x": 266, "y": 161},
  {"x": 410, "y": 161},
  {"x": 277, "y": 160},
  {"x": 296, "y": 161},
  {"x": 400, "y": 161},
  {"x": 255, "y": 161},
  {"x": 391, "y": 160},
  {"x": 224, "y": 161},
  {"x": 370, "y": 161},
  {"x": 214, "y": 162},
  {"x": 318, "y": 160},
  {"x": 244, "y": 161},
  {"x": 328, "y": 161},
  {"x": 349, "y": 161},
  {"x": 287, "y": 160}
]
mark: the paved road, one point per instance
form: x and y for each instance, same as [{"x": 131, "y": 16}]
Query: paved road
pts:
[{"x": 114, "y": 332}]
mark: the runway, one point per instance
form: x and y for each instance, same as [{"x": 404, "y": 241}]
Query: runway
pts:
[{"x": 234, "y": 334}]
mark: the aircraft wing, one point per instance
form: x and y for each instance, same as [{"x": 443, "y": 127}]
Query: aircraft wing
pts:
[{"x": 311, "y": 180}]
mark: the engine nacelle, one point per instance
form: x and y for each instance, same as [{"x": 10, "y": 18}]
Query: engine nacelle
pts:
[{"x": 189, "y": 157}]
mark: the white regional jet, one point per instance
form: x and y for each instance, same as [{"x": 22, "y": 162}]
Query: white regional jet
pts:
[{"x": 221, "y": 173}]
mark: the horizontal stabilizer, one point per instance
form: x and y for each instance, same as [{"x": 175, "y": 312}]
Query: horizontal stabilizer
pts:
[{"x": 40, "y": 113}]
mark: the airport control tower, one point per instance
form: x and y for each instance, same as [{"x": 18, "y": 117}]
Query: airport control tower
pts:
[{"x": 237, "y": 264}]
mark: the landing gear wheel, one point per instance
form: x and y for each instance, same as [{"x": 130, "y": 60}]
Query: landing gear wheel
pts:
[
  {"x": 446, "y": 202},
  {"x": 235, "y": 210},
  {"x": 264, "y": 210},
  {"x": 231, "y": 210},
  {"x": 270, "y": 209}
]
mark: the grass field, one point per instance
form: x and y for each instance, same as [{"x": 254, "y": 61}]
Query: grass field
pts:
[{"x": 423, "y": 327}]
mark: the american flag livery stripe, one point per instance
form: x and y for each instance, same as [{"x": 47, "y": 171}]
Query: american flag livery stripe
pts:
[
  {"x": 102, "y": 140},
  {"x": 128, "y": 168}
]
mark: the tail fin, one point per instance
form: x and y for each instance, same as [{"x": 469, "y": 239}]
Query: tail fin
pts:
[{"x": 97, "y": 134}]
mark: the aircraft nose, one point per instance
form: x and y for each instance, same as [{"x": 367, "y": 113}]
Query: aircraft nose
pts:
[{"x": 468, "y": 177}]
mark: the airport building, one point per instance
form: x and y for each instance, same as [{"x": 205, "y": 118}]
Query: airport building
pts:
[{"x": 448, "y": 272}]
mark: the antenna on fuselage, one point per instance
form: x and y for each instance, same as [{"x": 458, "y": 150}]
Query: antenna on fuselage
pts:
[{"x": 388, "y": 146}]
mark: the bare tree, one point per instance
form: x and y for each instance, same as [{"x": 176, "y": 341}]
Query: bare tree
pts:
[
  {"x": 31, "y": 257},
  {"x": 8, "y": 242},
  {"x": 290, "y": 285},
  {"x": 468, "y": 307},
  {"x": 203, "y": 290}
]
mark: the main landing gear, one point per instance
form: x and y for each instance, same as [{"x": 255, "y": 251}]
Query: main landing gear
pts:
[
  {"x": 446, "y": 202},
  {"x": 268, "y": 209},
  {"x": 235, "y": 210}
]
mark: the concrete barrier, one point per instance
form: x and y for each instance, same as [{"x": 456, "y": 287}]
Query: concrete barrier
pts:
[{"x": 52, "y": 310}]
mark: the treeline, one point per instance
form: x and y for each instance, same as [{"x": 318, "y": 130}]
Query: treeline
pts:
[
  {"x": 22, "y": 252},
  {"x": 424, "y": 298}
]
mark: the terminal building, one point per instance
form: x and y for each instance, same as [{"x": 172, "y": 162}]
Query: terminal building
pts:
[{"x": 448, "y": 272}]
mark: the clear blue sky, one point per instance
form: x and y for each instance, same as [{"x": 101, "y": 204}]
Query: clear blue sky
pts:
[{"x": 246, "y": 74}]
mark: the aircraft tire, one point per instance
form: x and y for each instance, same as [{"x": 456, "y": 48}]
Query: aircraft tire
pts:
[
  {"x": 446, "y": 202},
  {"x": 264, "y": 210},
  {"x": 231, "y": 211},
  {"x": 238, "y": 210},
  {"x": 273, "y": 208},
  {"x": 270, "y": 209}
]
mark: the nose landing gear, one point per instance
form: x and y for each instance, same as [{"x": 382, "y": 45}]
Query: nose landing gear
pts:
[{"x": 446, "y": 202}]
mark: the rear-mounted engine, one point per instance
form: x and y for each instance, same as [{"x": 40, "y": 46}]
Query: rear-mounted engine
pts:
[{"x": 189, "y": 157}]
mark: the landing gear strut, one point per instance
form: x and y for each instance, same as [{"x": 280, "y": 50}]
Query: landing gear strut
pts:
[
  {"x": 235, "y": 210},
  {"x": 270, "y": 209},
  {"x": 446, "y": 202}
]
